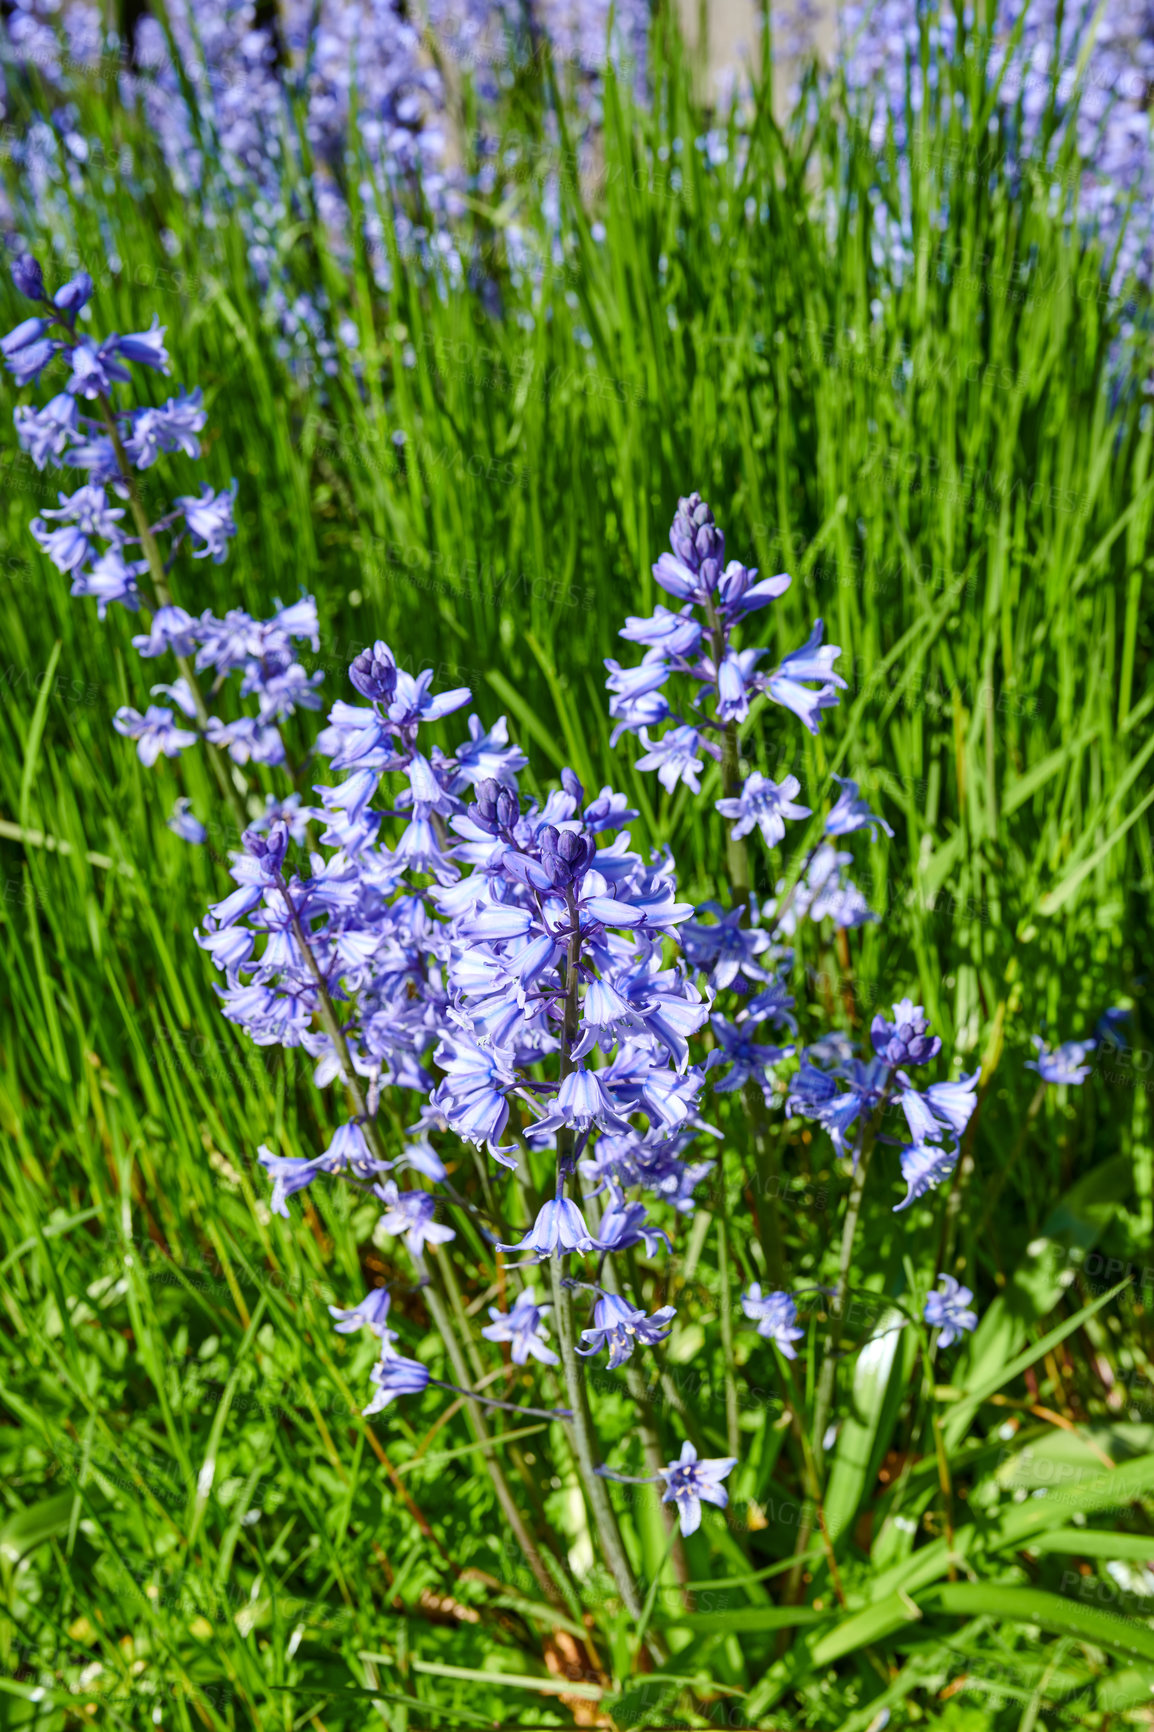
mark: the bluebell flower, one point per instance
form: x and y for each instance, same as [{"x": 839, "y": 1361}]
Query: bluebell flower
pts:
[
  {"x": 726, "y": 949},
  {"x": 924, "y": 1166},
  {"x": 1065, "y": 1064},
  {"x": 766, "y": 804},
  {"x": 624, "y": 1224},
  {"x": 146, "y": 348},
  {"x": 775, "y": 1315},
  {"x": 74, "y": 294},
  {"x": 95, "y": 368},
  {"x": 171, "y": 629},
  {"x": 906, "y": 1040},
  {"x": 559, "y": 1228},
  {"x": 1113, "y": 1025},
  {"x": 689, "y": 1481},
  {"x": 28, "y": 277},
  {"x": 289, "y": 1173},
  {"x": 747, "y": 1057},
  {"x": 111, "y": 578},
  {"x": 47, "y": 433},
  {"x": 372, "y": 1313},
  {"x": 773, "y": 1004},
  {"x": 523, "y": 1328},
  {"x": 736, "y": 680},
  {"x": 789, "y": 684},
  {"x": 851, "y": 813},
  {"x": 155, "y": 731},
  {"x": 246, "y": 739},
  {"x": 620, "y": 1327},
  {"x": 674, "y": 757},
  {"x": 83, "y": 516},
  {"x": 945, "y": 1106},
  {"x": 185, "y": 824},
  {"x": 209, "y": 520},
  {"x": 672, "y": 634},
  {"x": 173, "y": 427},
  {"x": 948, "y": 1311},
  {"x": 395, "y": 1376},
  {"x": 411, "y": 1213}
]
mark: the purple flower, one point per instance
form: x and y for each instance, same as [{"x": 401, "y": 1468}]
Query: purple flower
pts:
[
  {"x": 185, "y": 824},
  {"x": 173, "y": 427},
  {"x": 523, "y": 1328},
  {"x": 689, "y": 1481},
  {"x": 674, "y": 757},
  {"x": 73, "y": 294},
  {"x": 850, "y": 813},
  {"x": 46, "y": 433},
  {"x": 394, "y": 1376},
  {"x": 411, "y": 1213},
  {"x": 765, "y": 804},
  {"x": 209, "y": 519},
  {"x": 28, "y": 277},
  {"x": 84, "y": 515},
  {"x": 372, "y": 1313},
  {"x": 924, "y": 1166},
  {"x": 775, "y": 1315},
  {"x": 948, "y": 1311},
  {"x": 621, "y": 1327},
  {"x": 559, "y": 1228},
  {"x": 748, "y": 1059},
  {"x": 289, "y": 1173},
  {"x": 624, "y": 1224},
  {"x": 95, "y": 369},
  {"x": 154, "y": 732},
  {"x": 1065, "y": 1064},
  {"x": 171, "y": 629},
  {"x": 905, "y": 1040},
  {"x": 809, "y": 663},
  {"x": 145, "y": 348}
]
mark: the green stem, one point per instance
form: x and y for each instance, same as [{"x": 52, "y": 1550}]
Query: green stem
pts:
[
  {"x": 732, "y": 1433},
  {"x": 443, "y": 1322},
  {"x": 828, "y": 1373},
  {"x": 440, "y": 1314},
  {"x": 605, "y": 1521}
]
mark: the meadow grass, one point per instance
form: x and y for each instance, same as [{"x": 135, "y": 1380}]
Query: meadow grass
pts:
[{"x": 198, "y": 1527}]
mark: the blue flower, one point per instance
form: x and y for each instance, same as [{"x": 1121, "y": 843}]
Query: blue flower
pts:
[
  {"x": 809, "y": 663},
  {"x": 173, "y": 427},
  {"x": 171, "y": 629},
  {"x": 372, "y": 1313},
  {"x": 411, "y": 1213},
  {"x": 905, "y": 1040},
  {"x": 523, "y": 1328},
  {"x": 689, "y": 1481},
  {"x": 948, "y": 1312},
  {"x": 83, "y": 515},
  {"x": 95, "y": 369},
  {"x": 209, "y": 519},
  {"x": 851, "y": 813},
  {"x": 672, "y": 634},
  {"x": 28, "y": 277},
  {"x": 155, "y": 732},
  {"x": 624, "y": 1224},
  {"x": 621, "y": 1327},
  {"x": 73, "y": 294},
  {"x": 674, "y": 757},
  {"x": 289, "y": 1173},
  {"x": 944, "y": 1106},
  {"x": 1065, "y": 1064},
  {"x": 559, "y": 1228},
  {"x": 145, "y": 348},
  {"x": 747, "y": 1057},
  {"x": 766, "y": 804},
  {"x": 924, "y": 1166},
  {"x": 185, "y": 824},
  {"x": 49, "y": 431},
  {"x": 395, "y": 1376},
  {"x": 775, "y": 1315}
]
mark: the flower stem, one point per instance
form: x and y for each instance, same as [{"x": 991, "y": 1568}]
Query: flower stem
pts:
[
  {"x": 443, "y": 1322},
  {"x": 605, "y": 1521},
  {"x": 828, "y": 1373}
]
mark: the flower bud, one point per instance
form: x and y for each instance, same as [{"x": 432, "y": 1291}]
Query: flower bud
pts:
[
  {"x": 74, "y": 294},
  {"x": 28, "y": 277},
  {"x": 374, "y": 674}
]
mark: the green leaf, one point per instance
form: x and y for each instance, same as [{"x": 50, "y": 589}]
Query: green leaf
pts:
[{"x": 1119, "y": 1635}]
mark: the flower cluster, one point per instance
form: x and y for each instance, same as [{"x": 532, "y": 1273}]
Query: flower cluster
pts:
[
  {"x": 695, "y": 642},
  {"x": 513, "y": 963},
  {"x": 89, "y": 538},
  {"x": 840, "y": 1090}
]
